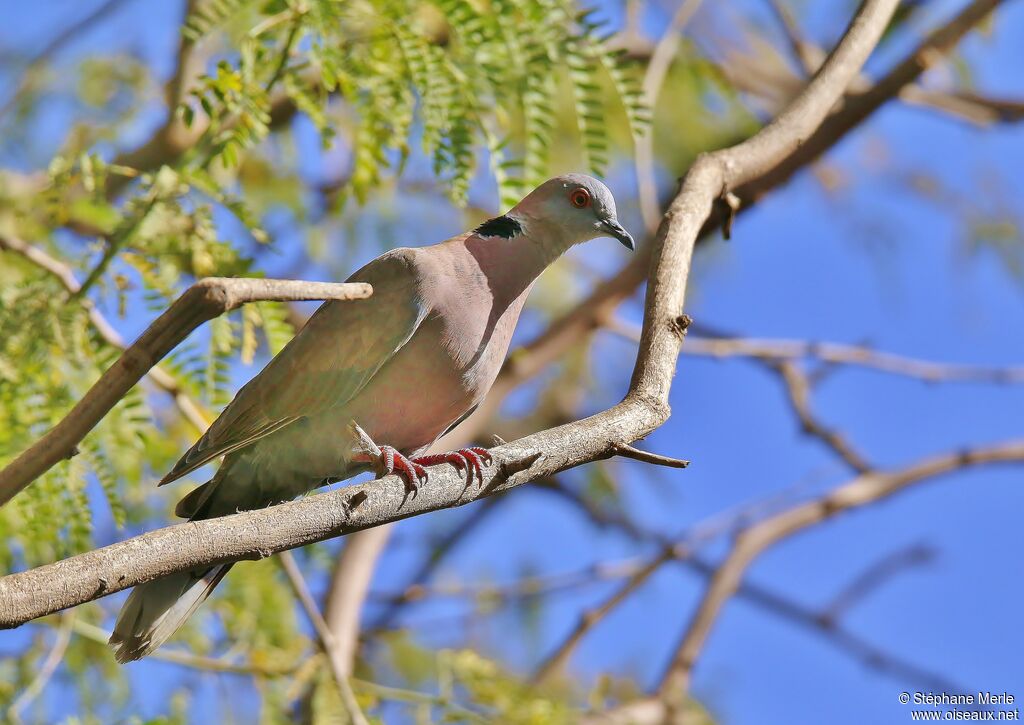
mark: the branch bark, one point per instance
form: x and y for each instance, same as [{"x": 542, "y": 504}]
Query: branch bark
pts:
[
  {"x": 206, "y": 299},
  {"x": 252, "y": 534}
]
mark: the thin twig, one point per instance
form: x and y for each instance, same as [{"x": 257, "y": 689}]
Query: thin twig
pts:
[
  {"x": 808, "y": 58},
  {"x": 53, "y": 659},
  {"x": 555, "y": 662},
  {"x": 339, "y": 668},
  {"x": 833, "y": 353},
  {"x": 798, "y": 388},
  {"x": 874, "y": 577},
  {"x": 626, "y": 451},
  {"x": 860, "y": 355}
]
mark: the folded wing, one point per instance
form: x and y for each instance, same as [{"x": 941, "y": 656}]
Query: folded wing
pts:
[{"x": 337, "y": 352}]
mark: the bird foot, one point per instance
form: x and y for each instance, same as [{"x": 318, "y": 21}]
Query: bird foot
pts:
[
  {"x": 411, "y": 472},
  {"x": 467, "y": 459}
]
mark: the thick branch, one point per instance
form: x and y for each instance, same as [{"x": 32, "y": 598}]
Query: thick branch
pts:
[
  {"x": 858, "y": 107},
  {"x": 205, "y": 300},
  {"x": 597, "y": 308},
  {"x": 248, "y": 535}
]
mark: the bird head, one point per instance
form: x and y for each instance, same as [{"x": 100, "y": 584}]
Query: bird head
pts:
[{"x": 571, "y": 209}]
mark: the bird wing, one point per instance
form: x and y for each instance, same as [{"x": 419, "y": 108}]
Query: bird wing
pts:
[{"x": 335, "y": 354}]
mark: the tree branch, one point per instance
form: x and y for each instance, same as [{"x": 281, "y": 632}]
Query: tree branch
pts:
[
  {"x": 203, "y": 301},
  {"x": 798, "y": 389},
  {"x": 775, "y": 350},
  {"x": 859, "y": 106},
  {"x": 770, "y": 601},
  {"x": 555, "y": 662},
  {"x": 753, "y": 541},
  {"x": 251, "y": 534},
  {"x": 46, "y": 669},
  {"x": 340, "y": 668},
  {"x": 70, "y": 33},
  {"x": 860, "y": 355}
]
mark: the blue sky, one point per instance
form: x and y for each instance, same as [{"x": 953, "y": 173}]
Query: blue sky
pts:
[{"x": 873, "y": 263}]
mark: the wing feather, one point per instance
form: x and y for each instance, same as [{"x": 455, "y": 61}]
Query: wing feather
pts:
[{"x": 335, "y": 354}]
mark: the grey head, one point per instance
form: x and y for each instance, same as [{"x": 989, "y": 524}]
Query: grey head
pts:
[{"x": 572, "y": 208}]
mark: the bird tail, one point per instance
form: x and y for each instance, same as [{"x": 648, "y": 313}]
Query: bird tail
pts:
[{"x": 155, "y": 610}]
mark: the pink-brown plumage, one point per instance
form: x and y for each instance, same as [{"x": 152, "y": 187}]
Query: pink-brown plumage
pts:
[{"x": 405, "y": 365}]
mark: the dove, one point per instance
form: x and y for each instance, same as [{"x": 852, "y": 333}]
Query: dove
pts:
[{"x": 406, "y": 366}]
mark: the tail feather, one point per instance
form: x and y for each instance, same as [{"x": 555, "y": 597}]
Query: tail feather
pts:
[{"x": 155, "y": 610}]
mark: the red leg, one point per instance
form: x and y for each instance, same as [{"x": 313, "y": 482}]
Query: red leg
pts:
[
  {"x": 412, "y": 472},
  {"x": 468, "y": 459}
]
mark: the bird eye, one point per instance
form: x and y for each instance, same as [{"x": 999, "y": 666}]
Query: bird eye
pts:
[{"x": 580, "y": 198}]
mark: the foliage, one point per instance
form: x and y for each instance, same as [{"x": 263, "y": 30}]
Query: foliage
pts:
[
  {"x": 513, "y": 88},
  {"x": 449, "y": 73}
]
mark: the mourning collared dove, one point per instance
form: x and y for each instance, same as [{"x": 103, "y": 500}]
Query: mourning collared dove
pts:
[{"x": 406, "y": 366}]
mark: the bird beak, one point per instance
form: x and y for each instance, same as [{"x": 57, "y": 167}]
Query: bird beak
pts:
[{"x": 614, "y": 229}]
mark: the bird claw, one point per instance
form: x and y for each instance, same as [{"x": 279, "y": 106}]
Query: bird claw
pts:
[
  {"x": 413, "y": 472},
  {"x": 410, "y": 471},
  {"x": 465, "y": 459}
]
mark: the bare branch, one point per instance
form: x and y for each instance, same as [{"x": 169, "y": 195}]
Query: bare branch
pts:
[
  {"x": 865, "y": 489},
  {"x": 46, "y": 589},
  {"x": 776, "y": 350},
  {"x": 203, "y": 301},
  {"x": 589, "y": 618},
  {"x": 875, "y": 576},
  {"x": 861, "y": 355},
  {"x": 339, "y": 668},
  {"x": 46, "y": 669},
  {"x": 627, "y": 451},
  {"x": 808, "y": 57},
  {"x": 798, "y": 388}
]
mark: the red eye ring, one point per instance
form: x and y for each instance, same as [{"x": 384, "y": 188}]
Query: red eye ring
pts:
[{"x": 579, "y": 198}]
